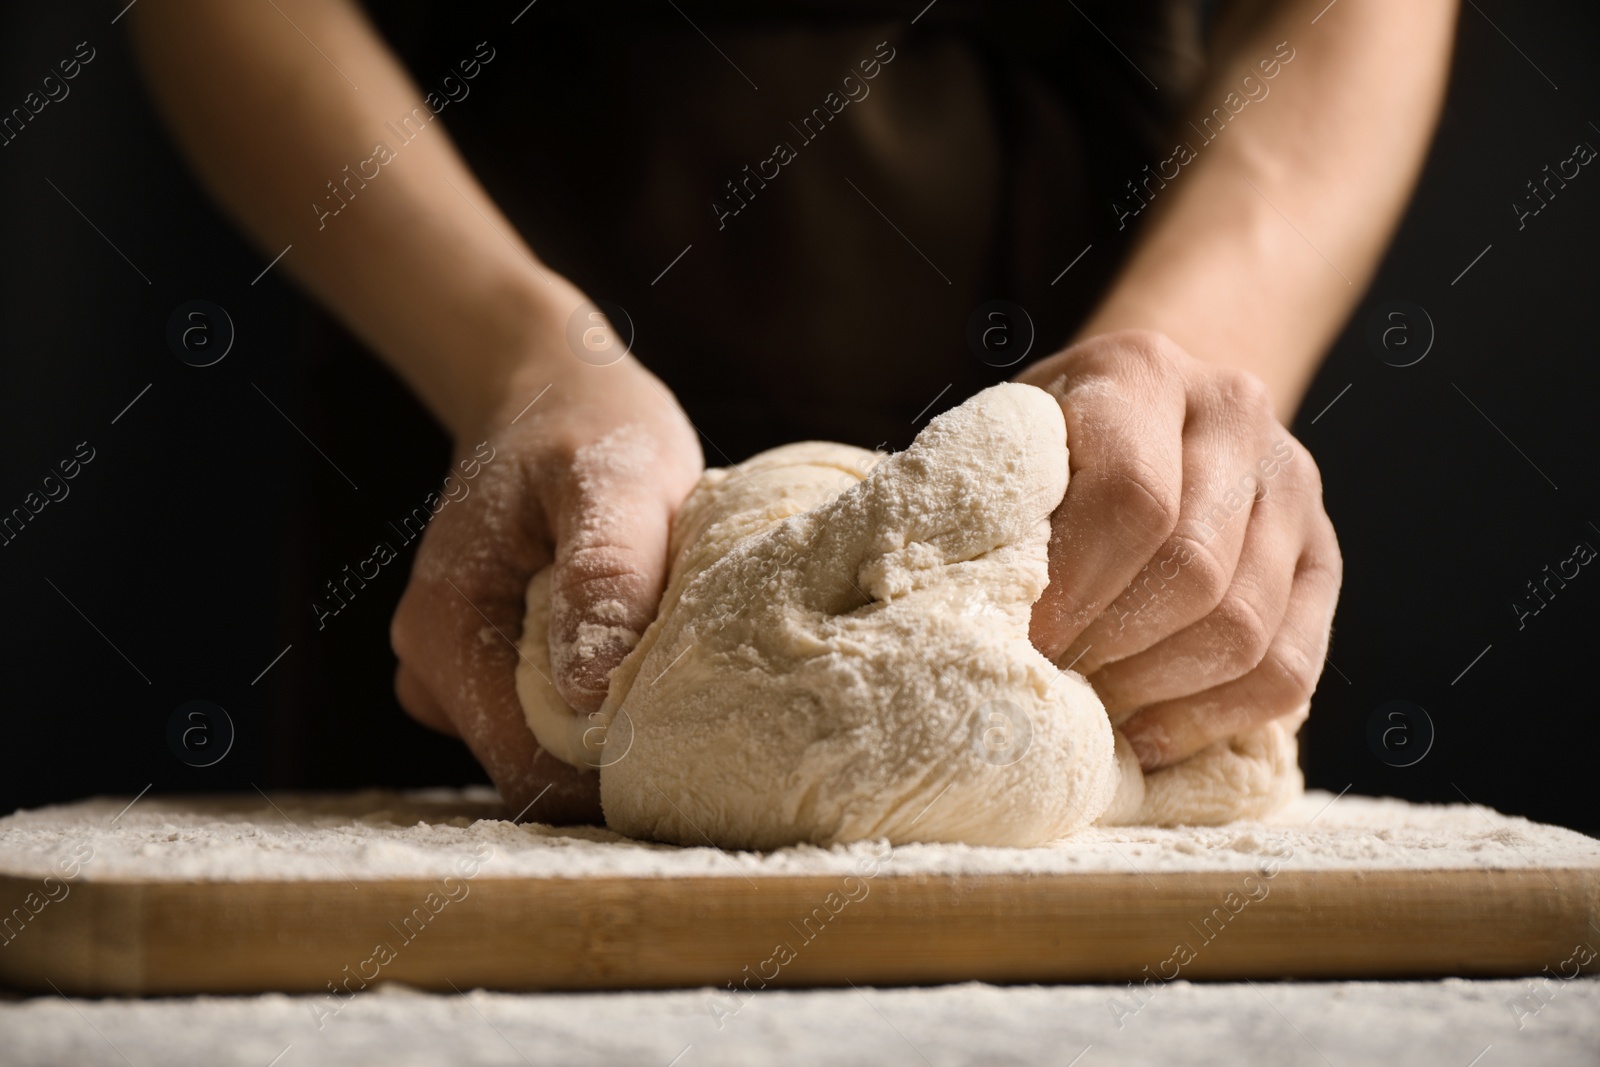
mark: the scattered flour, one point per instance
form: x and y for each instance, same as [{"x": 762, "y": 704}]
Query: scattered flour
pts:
[
  {"x": 1204, "y": 1024},
  {"x": 591, "y": 636},
  {"x": 421, "y": 834}
]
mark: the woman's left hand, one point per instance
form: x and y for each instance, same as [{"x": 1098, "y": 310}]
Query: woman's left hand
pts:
[{"x": 1193, "y": 570}]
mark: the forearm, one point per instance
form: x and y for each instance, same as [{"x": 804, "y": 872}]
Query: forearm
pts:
[
  {"x": 1256, "y": 251},
  {"x": 417, "y": 260}
]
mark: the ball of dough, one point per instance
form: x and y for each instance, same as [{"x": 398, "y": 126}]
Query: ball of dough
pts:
[{"x": 842, "y": 654}]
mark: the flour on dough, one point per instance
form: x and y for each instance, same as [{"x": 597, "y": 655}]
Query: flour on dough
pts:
[{"x": 842, "y": 654}]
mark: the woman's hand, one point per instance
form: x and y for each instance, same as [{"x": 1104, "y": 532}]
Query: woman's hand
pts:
[
  {"x": 588, "y": 477},
  {"x": 1193, "y": 571}
]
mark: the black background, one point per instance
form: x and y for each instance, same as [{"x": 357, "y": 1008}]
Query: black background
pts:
[{"x": 194, "y": 540}]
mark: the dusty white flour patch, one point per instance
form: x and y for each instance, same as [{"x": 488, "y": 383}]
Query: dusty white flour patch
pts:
[
  {"x": 376, "y": 835},
  {"x": 1206, "y": 1024},
  {"x": 584, "y": 646}
]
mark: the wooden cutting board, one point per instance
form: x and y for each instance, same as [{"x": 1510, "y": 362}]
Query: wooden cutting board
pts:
[{"x": 113, "y": 932}]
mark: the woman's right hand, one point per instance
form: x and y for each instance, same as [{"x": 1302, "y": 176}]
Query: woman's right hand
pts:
[{"x": 586, "y": 476}]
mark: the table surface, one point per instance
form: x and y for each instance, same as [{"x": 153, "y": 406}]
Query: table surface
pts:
[
  {"x": 1449, "y": 1023},
  {"x": 243, "y": 895},
  {"x": 381, "y": 835}
]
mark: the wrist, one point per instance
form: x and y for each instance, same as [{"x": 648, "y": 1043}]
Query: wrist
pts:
[{"x": 512, "y": 337}]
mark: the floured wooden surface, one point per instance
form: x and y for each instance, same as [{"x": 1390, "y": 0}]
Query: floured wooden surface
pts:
[
  {"x": 382, "y": 835},
  {"x": 300, "y": 894}
]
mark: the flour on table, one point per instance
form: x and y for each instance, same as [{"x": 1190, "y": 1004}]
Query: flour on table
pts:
[
  {"x": 378, "y": 835},
  {"x": 842, "y": 654}
]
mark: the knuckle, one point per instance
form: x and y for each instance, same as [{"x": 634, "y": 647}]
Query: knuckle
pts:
[
  {"x": 1086, "y": 361},
  {"x": 597, "y": 561},
  {"x": 1249, "y": 395},
  {"x": 554, "y": 455},
  {"x": 1143, "y": 500},
  {"x": 600, "y": 578},
  {"x": 1333, "y": 560},
  {"x": 547, "y": 470},
  {"x": 1307, "y": 469},
  {"x": 1149, "y": 355},
  {"x": 1205, "y": 576},
  {"x": 1244, "y": 634},
  {"x": 1322, "y": 543},
  {"x": 1320, "y": 571},
  {"x": 1124, "y": 354},
  {"x": 1300, "y": 468},
  {"x": 1294, "y": 671},
  {"x": 1150, "y": 348}
]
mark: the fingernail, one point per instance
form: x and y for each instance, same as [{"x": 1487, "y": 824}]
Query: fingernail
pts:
[
  {"x": 1118, "y": 707},
  {"x": 1080, "y": 660},
  {"x": 1146, "y": 747}
]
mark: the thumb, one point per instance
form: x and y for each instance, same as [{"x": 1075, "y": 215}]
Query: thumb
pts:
[{"x": 611, "y": 528}]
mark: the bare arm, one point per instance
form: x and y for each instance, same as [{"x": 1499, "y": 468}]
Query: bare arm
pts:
[
  {"x": 420, "y": 264},
  {"x": 423, "y": 267},
  {"x": 1331, "y": 150},
  {"x": 1194, "y": 571}
]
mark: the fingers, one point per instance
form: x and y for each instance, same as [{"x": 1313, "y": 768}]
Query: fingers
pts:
[
  {"x": 1124, "y": 408},
  {"x": 1193, "y": 572},
  {"x": 1226, "y": 433},
  {"x": 1285, "y": 678},
  {"x": 1234, "y": 637},
  {"x": 612, "y": 519},
  {"x": 455, "y": 631},
  {"x": 596, "y": 470}
]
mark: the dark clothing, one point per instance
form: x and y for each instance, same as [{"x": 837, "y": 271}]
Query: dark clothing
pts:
[
  {"x": 843, "y": 231},
  {"x": 828, "y": 299}
]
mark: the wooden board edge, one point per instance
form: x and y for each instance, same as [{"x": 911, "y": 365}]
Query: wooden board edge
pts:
[{"x": 735, "y": 934}]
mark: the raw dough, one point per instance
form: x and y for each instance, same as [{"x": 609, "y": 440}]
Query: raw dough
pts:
[{"x": 842, "y": 654}]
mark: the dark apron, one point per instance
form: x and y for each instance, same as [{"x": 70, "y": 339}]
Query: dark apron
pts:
[
  {"x": 829, "y": 295},
  {"x": 830, "y": 299}
]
